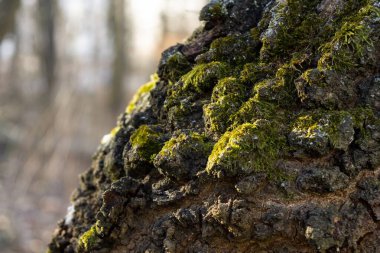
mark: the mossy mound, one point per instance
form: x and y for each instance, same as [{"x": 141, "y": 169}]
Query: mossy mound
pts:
[
  {"x": 247, "y": 149},
  {"x": 260, "y": 133},
  {"x": 183, "y": 156}
]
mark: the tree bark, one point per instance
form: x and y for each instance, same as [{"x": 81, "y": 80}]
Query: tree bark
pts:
[{"x": 260, "y": 133}]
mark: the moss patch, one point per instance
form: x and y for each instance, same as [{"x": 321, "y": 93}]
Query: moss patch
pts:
[
  {"x": 183, "y": 155},
  {"x": 294, "y": 24},
  {"x": 176, "y": 66},
  {"x": 234, "y": 49},
  {"x": 146, "y": 141},
  {"x": 320, "y": 130},
  {"x": 254, "y": 109},
  {"x": 141, "y": 94},
  {"x": 89, "y": 240},
  {"x": 256, "y": 72},
  {"x": 351, "y": 41},
  {"x": 214, "y": 11},
  {"x": 226, "y": 99},
  {"x": 203, "y": 77},
  {"x": 247, "y": 149}
]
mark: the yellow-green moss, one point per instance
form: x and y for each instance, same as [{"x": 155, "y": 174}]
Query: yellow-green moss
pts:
[
  {"x": 296, "y": 25},
  {"x": 203, "y": 77},
  {"x": 142, "y": 92},
  {"x": 213, "y": 11},
  {"x": 345, "y": 48},
  {"x": 350, "y": 42},
  {"x": 335, "y": 126},
  {"x": 254, "y": 109},
  {"x": 197, "y": 82},
  {"x": 247, "y": 149},
  {"x": 194, "y": 142},
  {"x": 314, "y": 77},
  {"x": 217, "y": 115},
  {"x": 88, "y": 240},
  {"x": 280, "y": 89},
  {"x": 176, "y": 66},
  {"x": 235, "y": 49},
  {"x": 183, "y": 155},
  {"x": 146, "y": 141},
  {"x": 226, "y": 99},
  {"x": 255, "y": 72},
  {"x": 228, "y": 86}
]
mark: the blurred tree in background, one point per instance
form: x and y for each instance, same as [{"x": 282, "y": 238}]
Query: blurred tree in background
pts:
[
  {"x": 67, "y": 69},
  {"x": 47, "y": 13},
  {"x": 8, "y": 10},
  {"x": 117, "y": 23}
]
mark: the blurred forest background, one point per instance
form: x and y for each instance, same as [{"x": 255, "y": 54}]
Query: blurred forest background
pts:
[{"x": 67, "y": 69}]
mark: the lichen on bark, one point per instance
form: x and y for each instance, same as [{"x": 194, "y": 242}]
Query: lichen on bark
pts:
[{"x": 260, "y": 133}]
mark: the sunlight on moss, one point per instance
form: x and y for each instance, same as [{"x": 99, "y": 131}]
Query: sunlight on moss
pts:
[{"x": 142, "y": 92}]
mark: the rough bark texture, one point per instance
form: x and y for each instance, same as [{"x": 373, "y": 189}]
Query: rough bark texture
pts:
[{"x": 261, "y": 133}]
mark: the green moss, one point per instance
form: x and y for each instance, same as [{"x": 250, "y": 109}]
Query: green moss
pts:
[
  {"x": 254, "y": 109},
  {"x": 235, "y": 49},
  {"x": 343, "y": 51},
  {"x": 315, "y": 130},
  {"x": 146, "y": 141},
  {"x": 286, "y": 75},
  {"x": 274, "y": 91},
  {"x": 176, "y": 66},
  {"x": 281, "y": 88},
  {"x": 217, "y": 114},
  {"x": 340, "y": 129},
  {"x": 203, "y": 77},
  {"x": 228, "y": 86},
  {"x": 255, "y": 33},
  {"x": 183, "y": 155},
  {"x": 192, "y": 143},
  {"x": 213, "y": 11},
  {"x": 226, "y": 99},
  {"x": 311, "y": 78},
  {"x": 351, "y": 41},
  {"x": 197, "y": 82},
  {"x": 314, "y": 77},
  {"x": 181, "y": 110},
  {"x": 89, "y": 240},
  {"x": 141, "y": 93},
  {"x": 247, "y": 149},
  {"x": 255, "y": 72},
  {"x": 296, "y": 25},
  {"x": 362, "y": 116},
  {"x": 329, "y": 124}
]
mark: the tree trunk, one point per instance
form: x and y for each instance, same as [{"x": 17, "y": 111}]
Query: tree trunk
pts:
[
  {"x": 47, "y": 53},
  {"x": 118, "y": 30},
  {"x": 8, "y": 11},
  {"x": 261, "y": 133}
]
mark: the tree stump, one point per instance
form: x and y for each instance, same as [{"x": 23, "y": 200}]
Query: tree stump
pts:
[{"x": 260, "y": 133}]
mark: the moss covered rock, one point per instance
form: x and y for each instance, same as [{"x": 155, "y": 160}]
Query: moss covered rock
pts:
[{"x": 260, "y": 133}]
